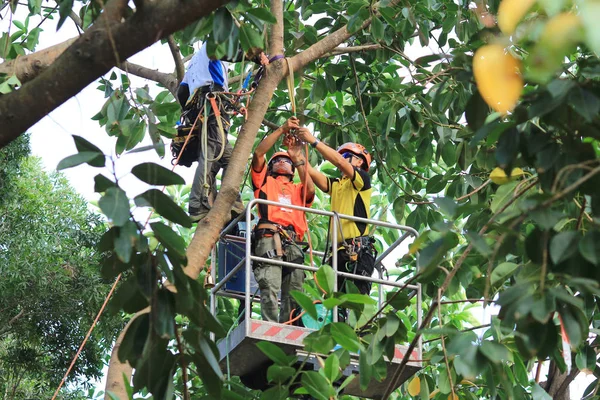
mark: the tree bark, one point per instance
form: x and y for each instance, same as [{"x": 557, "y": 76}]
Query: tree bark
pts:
[
  {"x": 28, "y": 67},
  {"x": 558, "y": 382},
  {"x": 116, "y": 369},
  {"x": 103, "y": 46}
]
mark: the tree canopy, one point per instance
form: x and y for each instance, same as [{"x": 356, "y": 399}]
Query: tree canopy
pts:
[
  {"x": 51, "y": 287},
  {"x": 488, "y": 146}
]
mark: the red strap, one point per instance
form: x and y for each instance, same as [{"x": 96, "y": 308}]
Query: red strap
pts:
[{"x": 213, "y": 103}]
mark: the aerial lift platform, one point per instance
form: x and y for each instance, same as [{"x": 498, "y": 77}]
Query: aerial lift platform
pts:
[{"x": 239, "y": 355}]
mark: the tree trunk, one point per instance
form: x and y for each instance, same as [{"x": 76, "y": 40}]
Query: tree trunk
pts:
[
  {"x": 116, "y": 369},
  {"x": 558, "y": 382}
]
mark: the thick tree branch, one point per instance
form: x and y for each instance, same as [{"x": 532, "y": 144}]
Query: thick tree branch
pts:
[
  {"x": 276, "y": 39},
  {"x": 92, "y": 55},
  {"x": 30, "y": 66},
  {"x": 179, "y": 68},
  {"x": 75, "y": 18},
  {"x": 116, "y": 369},
  {"x": 167, "y": 80},
  {"x": 353, "y": 49}
]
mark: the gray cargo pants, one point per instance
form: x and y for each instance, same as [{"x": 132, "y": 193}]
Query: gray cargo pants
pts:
[{"x": 273, "y": 278}]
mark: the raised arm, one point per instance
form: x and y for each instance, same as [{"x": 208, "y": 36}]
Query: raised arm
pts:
[
  {"x": 258, "y": 158},
  {"x": 329, "y": 154},
  {"x": 295, "y": 151}
]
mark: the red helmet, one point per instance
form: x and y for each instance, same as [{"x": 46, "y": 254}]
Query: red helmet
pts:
[
  {"x": 282, "y": 172},
  {"x": 357, "y": 149}
]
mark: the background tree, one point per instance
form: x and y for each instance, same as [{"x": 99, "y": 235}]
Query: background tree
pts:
[
  {"x": 522, "y": 95},
  {"x": 51, "y": 288}
]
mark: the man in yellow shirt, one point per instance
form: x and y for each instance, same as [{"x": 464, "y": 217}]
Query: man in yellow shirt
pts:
[{"x": 350, "y": 195}]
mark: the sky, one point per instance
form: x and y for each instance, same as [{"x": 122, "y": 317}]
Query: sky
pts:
[{"x": 51, "y": 137}]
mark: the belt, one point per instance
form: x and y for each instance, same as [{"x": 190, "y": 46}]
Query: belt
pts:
[
  {"x": 211, "y": 88},
  {"x": 265, "y": 227},
  {"x": 362, "y": 240}
]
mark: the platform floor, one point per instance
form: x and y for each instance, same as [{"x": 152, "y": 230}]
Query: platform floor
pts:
[{"x": 246, "y": 359}]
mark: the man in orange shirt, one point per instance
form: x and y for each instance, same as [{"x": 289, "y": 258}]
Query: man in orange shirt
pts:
[{"x": 279, "y": 228}]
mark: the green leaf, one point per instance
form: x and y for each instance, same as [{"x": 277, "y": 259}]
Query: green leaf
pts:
[
  {"x": 306, "y": 303},
  {"x": 563, "y": 246},
  {"x": 399, "y": 207},
  {"x": 365, "y": 371},
  {"x": 436, "y": 184},
  {"x": 171, "y": 240},
  {"x": 207, "y": 352},
  {"x": 508, "y": 147},
  {"x": 585, "y": 103},
  {"x": 65, "y": 7},
  {"x": 155, "y": 174},
  {"x": 476, "y": 111},
  {"x": 76, "y": 159},
  {"x": 115, "y": 205},
  {"x": 319, "y": 342},
  {"x": 263, "y": 14},
  {"x": 275, "y": 353},
  {"x": 101, "y": 183},
  {"x": 222, "y": 25},
  {"x": 349, "y": 299},
  {"x": 164, "y": 314},
  {"x": 116, "y": 110},
  {"x": 326, "y": 278},
  {"x": 539, "y": 394},
  {"x": 357, "y": 20},
  {"x": 279, "y": 374},
  {"x": 589, "y": 12},
  {"x": 400, "y": 300},
  {"x": 391, "y": 325},
  {"x": 496, "y": 352},
  {"x": 125, "y": 241},
  {"x": 163, "y": 205},
  {"x": 479, "y": 243},
  {"x": 375, "y": 351},
  {"x": 319, "y": 90},
  {"x": 377, "y": 29},
  {"x": 447, "y": 206},
  {"x": 589, "y": 247},
  {"x": 83, "y": 145},
  {"x": 586, "y": 359},
  {"x": 316, "y": 385},
  {"x": 502, "y": 271},
  {"x": 424, "y": 153},
  {"x": 332, "y": 368},
  {"x": 345, "y": 336},
  {"x": 250, "y": 39}
]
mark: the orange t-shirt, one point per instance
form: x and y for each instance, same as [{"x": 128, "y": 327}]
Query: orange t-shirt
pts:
[{"x": 277, "y": 189}]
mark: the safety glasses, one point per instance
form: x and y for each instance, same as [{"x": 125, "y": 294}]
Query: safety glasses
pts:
[
  {"x": 282, "y": 159},
  {"x": 348, "y": 156}
]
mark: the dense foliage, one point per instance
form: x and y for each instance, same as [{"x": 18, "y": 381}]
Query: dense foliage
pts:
[
  {"x": 526, "y": 239},
  {"x": 50, "y": 288}
]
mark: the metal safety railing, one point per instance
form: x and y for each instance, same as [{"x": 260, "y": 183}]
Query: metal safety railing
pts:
[{"x": 246, "y": 261}]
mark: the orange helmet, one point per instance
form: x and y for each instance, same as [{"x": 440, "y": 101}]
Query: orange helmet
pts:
[
  {"x": 281, "y": 171},
  {"x": 357, "y": 149}
]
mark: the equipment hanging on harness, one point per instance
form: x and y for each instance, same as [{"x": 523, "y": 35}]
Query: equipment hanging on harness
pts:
[{"x": 193, "y": 121}]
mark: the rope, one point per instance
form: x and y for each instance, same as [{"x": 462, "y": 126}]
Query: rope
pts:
[
  {"x": 290, "y": 85},
  {"x": 112, "y": 289}
]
